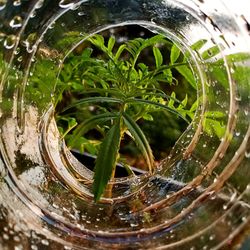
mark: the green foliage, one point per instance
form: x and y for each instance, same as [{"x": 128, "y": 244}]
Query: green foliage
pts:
[
  {"x": 106, "y": 159},
  {"x": 114, "y": 91}
]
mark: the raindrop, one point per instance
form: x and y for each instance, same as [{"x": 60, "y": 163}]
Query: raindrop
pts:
[
  {"x": 20, "y": 58},
  {"x": 81, "y": 13},
  {"x": 34, "y": 247},
  {"x": 29, "y": 43},
  {"x": 237, "y": 133},
  {"x": 152, "y": 20},
  {"x": 232, "y": 70},
  {"x": 2, "y": 4},
  {"x": 212, "y": 237},
  {"x": 225, "y": 207},
  {"x": 238, "y": 98},
  {"x": 134, "y": 224},
  {"x": 17, "y": 239},
  {"x": 9, "y": 42},
  {"x": 19, "y": 247},
  {"x": 39, "y": 4},
  {"x": 17, "y": 51},
  {"x": 5, "y": 236},
  {"x": 16, "y": 22},
  {"x": 75, "y": 7},
  {"x": 55, "y": 206},
  {"x": 33, "y": 14},
  {"x": 247, "y": 154},
  {"x": 67, "y": 248},
  {"x": 66, "y": 4},
  {"x": 244, "y": 218},
  {"x": 17, "y": 3},
  {"x": 45, "y": 242},
  {"x": 2, "y": 36}
]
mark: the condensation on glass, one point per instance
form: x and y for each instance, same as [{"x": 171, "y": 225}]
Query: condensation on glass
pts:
[{"x": 199, "y": 198}]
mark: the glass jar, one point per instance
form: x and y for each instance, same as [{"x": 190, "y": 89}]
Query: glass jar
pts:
[{"x": 199, "y": 196}]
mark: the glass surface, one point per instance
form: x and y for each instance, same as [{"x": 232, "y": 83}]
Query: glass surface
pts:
[{"x": 199, "y": 197}]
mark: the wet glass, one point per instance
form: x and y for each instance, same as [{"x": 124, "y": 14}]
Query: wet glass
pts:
[{"x": 199, "y": 196}]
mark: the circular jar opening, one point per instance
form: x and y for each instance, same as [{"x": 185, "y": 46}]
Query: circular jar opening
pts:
[{"x": 130, "y": 81}]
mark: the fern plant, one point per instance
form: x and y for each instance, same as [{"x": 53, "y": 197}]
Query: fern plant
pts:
[{"x": 117, "y": 90}]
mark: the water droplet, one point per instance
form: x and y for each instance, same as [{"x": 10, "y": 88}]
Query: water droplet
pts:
[
  {"x": 75, "y": 7},
  {"x": 232, "y": 70},
  {"x": 34, "y": 247},
  {"x": 17, "y": 3},
  {"x": 19, "y": 247},
  {"x": 33, "y": 14},
  {"x": 5, "y": 236},
  {"x": 20, "y": 58},
  {"x": 67, "y": 248},
  {"x": 17, "y": 239},
  {"x": 29, "y": 43},
  {"x": 225, "y": 207},
  {"x": 16, "y": 22},
  {"x": 66, "y": 4},
  {"x": 39, "y": 4},
  {"x": 134, "y": 224},
  {"x": 244, "y": 218},
  {"x": 81, "y": 13},
  {"x": 212, "y": 237},
  {"x": 17, "y": 51},
  {"x": 237, "y": 133},
  {"x": 2, "y": 4},
  {"x": 247, "y": 154},
  {"x": 45, "y": 242},
  {"x": 238, "y": 98},
  {"x": 9, "y": 42},
  {"x": 2, "y": 36}
]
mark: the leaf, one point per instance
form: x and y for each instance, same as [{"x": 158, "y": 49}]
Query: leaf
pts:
[
  {"x": 211, "y": 52},
  {"x": 212, "y": 126},
  {"x": 106, "y": 160},
  {"x": 148, "y": 117},
  {"x": 175, "y": 53},
  {"x": 215, "y": 114},
  {"x": 134, "y": 47},
  {"x": 98, "y": 41},
  {"x": 71, "y": 121},
  {"x": 158, "y": 57},
  {"x": 86, "y": 53},
  {"x": 172, "y": 100},
  {"x": 199, "y": 44},
  {"x": 187, "y": 74},
  {"x": 194, "y": 106},
  {"x": 183, "y": 104},
  {"x": 93, "y": 100},
  {"x": 119, "y": 51},
  {"x": 143, "y": 67},
  {"x": 88, "y": 124},
  {"x": 111, "y": 44},
  {"x": 143, "y": 102},
  {"x": 112, "y": 91},
  {"x": 140, "y": 140}
]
